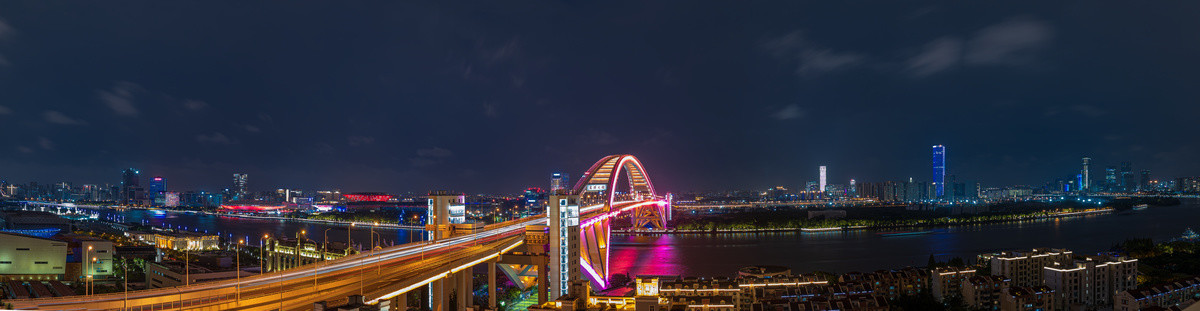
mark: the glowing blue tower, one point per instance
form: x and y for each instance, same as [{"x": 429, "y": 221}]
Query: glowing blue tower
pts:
[{"x": 939, "y": 170}]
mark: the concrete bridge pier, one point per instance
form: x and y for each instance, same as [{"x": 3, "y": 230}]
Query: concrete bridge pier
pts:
[
  {"x": 438, "y": 302},
  {"x": 491, "y": 285},
  {"x": 466, "y": 296}
]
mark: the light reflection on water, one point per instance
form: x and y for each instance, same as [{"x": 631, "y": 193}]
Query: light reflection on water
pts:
[{"x": 723, "y": 254}]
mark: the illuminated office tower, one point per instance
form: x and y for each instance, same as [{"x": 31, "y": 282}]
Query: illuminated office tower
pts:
[
  {"x": 1110, "y": 179},
  {"x": 559, "y": 181},
  {"x": 822, "y": 189},
  {"x": 157, "y": 184},
  {"x": 1085, "y": 183},
  {"x": 939, "y": 170},
  {"x": 239, "y": 186}
]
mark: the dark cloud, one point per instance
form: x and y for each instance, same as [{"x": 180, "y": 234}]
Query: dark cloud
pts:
[
  {"x": 937, "y": 56},
  {"x": 434, "y": 152},
  {"x": 789, "y": 112},
  {"x": 355, "y": 141},
  {"x": 60, "y": 118},
  {"x": 1014, "y": 41},
  {"x": 120, "y": 98},
  {"x": 194, "y": 105},
  {"x": 215, "y": 138},
  {"x": 813, "y": 59},
  {"x": 491, "y": 97}
]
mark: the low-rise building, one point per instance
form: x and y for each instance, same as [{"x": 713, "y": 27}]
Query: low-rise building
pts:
[
  {"x": 177, "y": 240},
  {"x": 1181, "y": 294},
  {"x": 892, "y": 283},
  {"x": 24, "y": 257},
  {"x": 173, "y": 273},
  {"x": 947, "y": 282},
  {"x": 88, "y": 256},
  {"x": 982, "y": 292},
  {"x": 283, "y": 254},
  {"x": 1036, "y": 298}
]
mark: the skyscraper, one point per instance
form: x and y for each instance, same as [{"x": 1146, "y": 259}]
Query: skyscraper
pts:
[
  {"x": 1145, "y": 184},
  {"x": 1110, "y": 179},
  {"x": 1127, "y": 176},
  {"x": 559, "y": 180},
  {"x": 1085, "y": 183},
  {"x": 822, "y": 183},
  {"x": 239, "y": 185},
  {"x": 939, "y": 170},
  {"x": 129, "y": 177},
  {"x": 158, "y": 184},
  {"x": 131, "y": 191}
]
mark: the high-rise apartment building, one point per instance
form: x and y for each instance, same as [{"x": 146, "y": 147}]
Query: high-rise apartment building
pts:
[
  {"x": 1025, "y": 268},
  {"x": 939, "y": 170},
  {"x": 1090, "y": 282}
]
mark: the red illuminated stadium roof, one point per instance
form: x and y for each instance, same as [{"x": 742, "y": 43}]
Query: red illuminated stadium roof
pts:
[{"x": 367, "y": 197}]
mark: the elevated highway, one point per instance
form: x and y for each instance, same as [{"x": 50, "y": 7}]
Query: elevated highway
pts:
[{"x": 385, "y": 274}]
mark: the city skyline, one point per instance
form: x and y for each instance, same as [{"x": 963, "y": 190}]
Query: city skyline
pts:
[{"x": 354, "y": 112}]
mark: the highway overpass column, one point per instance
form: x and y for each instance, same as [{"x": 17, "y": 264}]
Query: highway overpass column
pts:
[
  {"x": 543, "y": 281},
  {"x": 401, "y": 302},
  {"x": 448, "y": 290},
  {"x": 466, "y": 298},
  {"x": 491, "y": 286},
  {"x": 437, "y": 299}
]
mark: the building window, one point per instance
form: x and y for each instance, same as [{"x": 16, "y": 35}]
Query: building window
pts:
[
  {"x": 41, "y": 262},
  {"x": 5, "y": 262},
  {"x": 22, "y": 249}
]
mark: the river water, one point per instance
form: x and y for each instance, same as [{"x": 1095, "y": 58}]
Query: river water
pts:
[
  {"x": 723, "y": 254},
  {"x": 865, "y": 250}
]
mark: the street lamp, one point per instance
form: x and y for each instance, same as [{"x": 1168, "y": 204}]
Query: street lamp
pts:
[
  {"x": 87, "y": 266},
  {"x": 325, "y": 243},
  {"x": 187, "y": 266},
  {"x": 262, "y": 244},
  {"x": 378, "y": 265},
  {"x": 125, "y": 270},
  {"x": 238, "y": 251},
  {"x": 91, "y": 280}
]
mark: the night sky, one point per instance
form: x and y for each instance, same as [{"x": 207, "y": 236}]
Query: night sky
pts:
[{"x": 494, "y": 96}]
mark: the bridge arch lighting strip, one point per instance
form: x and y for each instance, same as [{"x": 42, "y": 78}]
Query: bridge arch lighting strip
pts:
[
  {"x": 592, "y": 272},
  {"x": 443, "y": 275},
  {"x": 611, "y": 214}
]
